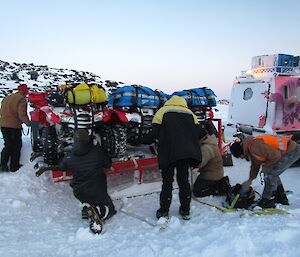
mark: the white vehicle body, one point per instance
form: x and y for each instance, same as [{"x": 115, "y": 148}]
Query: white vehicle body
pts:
[{"x": 266, "y": 98}]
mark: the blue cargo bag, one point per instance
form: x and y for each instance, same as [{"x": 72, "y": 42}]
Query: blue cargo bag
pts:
[
  {"x": 134, "y": 96},
  {"x": 201, "y": 96}
]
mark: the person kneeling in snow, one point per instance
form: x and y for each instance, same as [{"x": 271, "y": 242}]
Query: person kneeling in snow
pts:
[
  {"x": 89, "y": 181},
  {"x": 211, "y": 180},
  {"x": 275, "y": 154}
]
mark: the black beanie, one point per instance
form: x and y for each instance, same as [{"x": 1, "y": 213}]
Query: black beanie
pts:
[
  {"x": 81, "y": 135},
  {"x": 237, "y": 149}
]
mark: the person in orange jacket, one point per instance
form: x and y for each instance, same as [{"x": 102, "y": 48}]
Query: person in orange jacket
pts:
[
  {"x": 13, "y": 114},
  {"x": 274, "y": 154}
]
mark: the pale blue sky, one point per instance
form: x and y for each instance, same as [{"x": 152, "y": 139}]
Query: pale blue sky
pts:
[{"x": 169, "y": 45}]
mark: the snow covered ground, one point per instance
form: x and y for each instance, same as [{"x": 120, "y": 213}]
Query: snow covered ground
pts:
[{"x": 42, "y": 219}]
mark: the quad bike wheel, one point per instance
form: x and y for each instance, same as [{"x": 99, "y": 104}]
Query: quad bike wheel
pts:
[
  {"x": 114, "y": 140},
  {"x": 35, "y": 137},
  {"x": 50, "y": 146}
]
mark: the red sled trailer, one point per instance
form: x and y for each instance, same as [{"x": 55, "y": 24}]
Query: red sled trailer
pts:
[
  {"x": 138, "y": 169},
  {"x": 137, "y": 166},
  {"x": 56, "y": 115}
]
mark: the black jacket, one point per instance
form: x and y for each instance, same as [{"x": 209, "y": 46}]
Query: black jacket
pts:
[
  {"x": 177, "y": 130},
  {"x": 89, "y": 181}
]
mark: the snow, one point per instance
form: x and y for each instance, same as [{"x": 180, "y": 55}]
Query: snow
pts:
[{"x": 41, "y": 218}]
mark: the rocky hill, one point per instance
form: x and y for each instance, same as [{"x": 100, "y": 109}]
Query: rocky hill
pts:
[
  {"x": 39, "y": 77},
  {"x": 223, "y": 101}
]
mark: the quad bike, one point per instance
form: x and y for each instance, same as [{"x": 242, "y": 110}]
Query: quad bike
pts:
[
  {"x": 138, "y": 104},
  {"x": 139, "y": 123},
  {"x": 201, "y": 101},
  {"x": 54, "y": 118}
]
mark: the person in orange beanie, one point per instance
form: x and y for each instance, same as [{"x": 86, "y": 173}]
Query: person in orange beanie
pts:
[{"x": 13, "y": 114}]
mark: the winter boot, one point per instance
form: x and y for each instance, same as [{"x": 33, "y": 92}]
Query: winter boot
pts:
[
  {"x": 4, "y": 168},
  {"x": 224, "y": 186},
  {"x": 266, "y": 203},
  {"x": 108, "y": 212},
  {"x": 105, "y": 212},
  {"x": 161, "y": 213},
  {"x": 95, "y": 220},
  {"x": 84, "y": 211},
  {"x": 185, "y": 214},
  {"x": 15, "y": 168},
  {"x": 165, "y": 203},
  {"x": 280, "y": 196},
  {"x": 203, "y": 187}
]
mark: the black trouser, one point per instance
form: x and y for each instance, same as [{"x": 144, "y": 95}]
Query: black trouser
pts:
[
  {"x": 12, "y": 148},
  {"x": 272, "y": 180},
  {"x": 203, "y": 187},
  {"x": 102, "y": 201},
  {"x": 95, "y": 194},
  {"x": 182, "y": 175}
]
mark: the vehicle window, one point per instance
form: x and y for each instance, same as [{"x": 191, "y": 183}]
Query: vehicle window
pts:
[
  {"x": 248, "y": 93},
  {"x": 298, "y": 93}
]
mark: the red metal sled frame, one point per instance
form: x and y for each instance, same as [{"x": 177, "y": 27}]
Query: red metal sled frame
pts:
[
  {"x": 133, "y": 165},
  {"x": 219, "y": 134},
  {"x": 119, "y": 167}
]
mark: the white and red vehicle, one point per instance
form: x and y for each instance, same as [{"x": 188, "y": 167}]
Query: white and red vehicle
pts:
[{"x": 266, "y": 98}]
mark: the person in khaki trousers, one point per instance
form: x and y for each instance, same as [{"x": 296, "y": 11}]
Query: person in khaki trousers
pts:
[
  {"x": 13, "y": 114},
  {"x": 211, "y": 180}
]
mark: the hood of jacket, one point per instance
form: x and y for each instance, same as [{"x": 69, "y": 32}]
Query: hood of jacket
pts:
[
  {"x": 81, "y": 148},
  {"x": 176, "y": 100}
]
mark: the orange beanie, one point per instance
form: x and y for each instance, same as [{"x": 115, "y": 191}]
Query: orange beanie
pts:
[{"x": 23, "y": 89}]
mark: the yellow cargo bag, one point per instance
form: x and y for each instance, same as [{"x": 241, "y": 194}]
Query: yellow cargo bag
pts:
[
  {"x": 85, "y": 94},
  {"x": 98, "y": 94},
  {"x": 80, "y": 95}
]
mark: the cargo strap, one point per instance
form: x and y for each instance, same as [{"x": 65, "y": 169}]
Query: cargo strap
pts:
[
  {"x": 209, "y": 99},
  {"x": 160, "y": 97}
]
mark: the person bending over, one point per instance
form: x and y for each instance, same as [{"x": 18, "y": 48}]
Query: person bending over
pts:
[{"x": 274, "y": 154}]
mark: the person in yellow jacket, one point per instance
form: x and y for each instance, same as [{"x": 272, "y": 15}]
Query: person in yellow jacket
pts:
[
  {"x": 274, "y": 154},
  {"x": 178, "y": 131},
  {"x": 12, "y": 114}
]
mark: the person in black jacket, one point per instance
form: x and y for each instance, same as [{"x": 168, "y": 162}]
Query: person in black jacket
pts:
[
  {"x": 177, "y": 130},
  {"x": 89, "y": 181}
]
